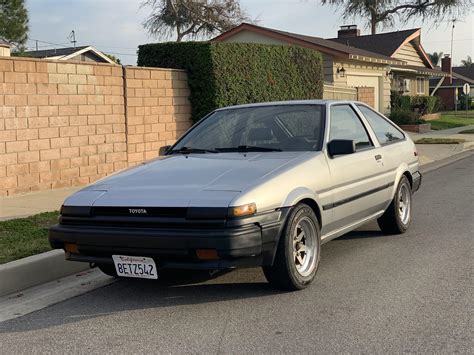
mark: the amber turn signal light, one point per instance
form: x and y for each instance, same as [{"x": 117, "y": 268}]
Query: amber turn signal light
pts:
[
  {"x": 71, "y": 248},
  {"x": 244, "y": 210},
  {"x": 207, "y": 254}
]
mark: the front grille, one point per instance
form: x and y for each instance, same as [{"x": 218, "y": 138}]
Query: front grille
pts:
[
  {"x": 173, "y": 212},
  {"x": 150, "y": 217}
]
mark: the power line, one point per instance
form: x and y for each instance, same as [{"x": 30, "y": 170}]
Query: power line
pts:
[
  {"x": 448, "y": 40},
  {"x": 64, "y": 45}
]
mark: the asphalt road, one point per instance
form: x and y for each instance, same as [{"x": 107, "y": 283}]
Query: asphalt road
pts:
[{"x": 373, "y": 293}]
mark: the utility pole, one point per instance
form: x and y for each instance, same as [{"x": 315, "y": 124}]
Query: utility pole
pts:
[
  {"x": 36, "y": 45},
  {"x": 72, "y": 38},
  {"x": 452, "y": 58}
]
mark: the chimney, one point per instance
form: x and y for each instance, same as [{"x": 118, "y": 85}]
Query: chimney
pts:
[
  {"x": 348, "y": 31},
  {"x": 446, "y": 67}
]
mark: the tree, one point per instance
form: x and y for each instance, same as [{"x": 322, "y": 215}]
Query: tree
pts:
[
  {"x": 14, "y": 21},
  {"x": 435, "y": 57},
  {"x": 194, "y": 18},
  {"x": 385, "y": 12},
  {"x": 467, "y": 62},
  {"x": 114, "y": 58}
]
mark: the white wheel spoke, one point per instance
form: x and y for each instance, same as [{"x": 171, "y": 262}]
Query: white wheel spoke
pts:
[
  {"x": 299, "y": 236},
  {"x": 299, "y": 259},
  {"x": 303, "y": 248}
]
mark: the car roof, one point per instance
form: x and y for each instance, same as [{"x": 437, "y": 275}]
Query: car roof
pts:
[{"x": 290, "y": 102}]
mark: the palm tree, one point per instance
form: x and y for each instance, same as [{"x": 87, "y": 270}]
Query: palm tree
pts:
[
  {"x": 467, "y": 62},
  {"x": 435, "y": 57}
]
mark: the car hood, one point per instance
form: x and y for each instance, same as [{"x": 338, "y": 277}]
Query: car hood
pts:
[{"x": 212, "y": 180}]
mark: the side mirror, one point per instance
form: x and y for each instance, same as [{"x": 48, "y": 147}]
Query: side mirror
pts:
[
  {"x": 341, "y": 147},
  {"x": 163, "y": 150}
]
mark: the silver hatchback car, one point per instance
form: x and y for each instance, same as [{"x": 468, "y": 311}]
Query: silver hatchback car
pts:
[{"x": 252, "y": 185}]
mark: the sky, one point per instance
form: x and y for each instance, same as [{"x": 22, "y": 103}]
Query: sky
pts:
[{"x": 115, "y": 26}]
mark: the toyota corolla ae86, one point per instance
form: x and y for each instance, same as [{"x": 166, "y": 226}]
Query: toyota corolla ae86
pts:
[{"x": 261, "y": 185}]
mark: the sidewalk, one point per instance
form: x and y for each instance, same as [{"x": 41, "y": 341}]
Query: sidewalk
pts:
[
  {"x": 429, "y": 153},
  {"x": 51, "y": 200},
  {"x": 36, "y": 202}
]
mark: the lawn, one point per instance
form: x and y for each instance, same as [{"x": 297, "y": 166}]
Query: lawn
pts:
[
  {"x": 451, "y": 120},
  {"x": 23, "y": 237}
]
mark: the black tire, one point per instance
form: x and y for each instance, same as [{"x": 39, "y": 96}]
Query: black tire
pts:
[
  {"x": 284, "y": 274},
  {"x": 108, "y": 269},
  {"x": 391, "y": 222}
]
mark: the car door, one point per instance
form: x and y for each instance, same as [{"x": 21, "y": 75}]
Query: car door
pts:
[
  {"x": 388, "y": 135},
  {"x": 359, "y": 189}
]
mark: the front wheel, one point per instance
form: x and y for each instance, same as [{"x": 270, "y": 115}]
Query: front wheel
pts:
[
  {"x": 397, "y": 217},
  {"x": 298, "y": 251}
]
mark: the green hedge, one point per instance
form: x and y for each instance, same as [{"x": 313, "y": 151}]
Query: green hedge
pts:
[
  {"x": 223, "y": 74},
  {"x": 403, "y": 116},
  {"x": 421, "y": 104}
]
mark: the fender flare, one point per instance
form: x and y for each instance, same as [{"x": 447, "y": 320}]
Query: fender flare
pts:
[{"x": 402, "y": 170}]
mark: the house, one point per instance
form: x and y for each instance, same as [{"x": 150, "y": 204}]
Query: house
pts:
[
  {"x": 383, "y": 62},
  {"x": 83, "y": 54},
  {"x": 448, "y": 88},
  {"x": 5, "y": 47},
  {"x": 411, "y": 77}
]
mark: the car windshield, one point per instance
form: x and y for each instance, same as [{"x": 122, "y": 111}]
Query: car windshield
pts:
[{"x": 260, "y": 128}]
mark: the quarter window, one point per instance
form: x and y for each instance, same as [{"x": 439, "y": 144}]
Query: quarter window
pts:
[
  {"x": 345, "y": 124},
  {"x": 384, "y": 130}
]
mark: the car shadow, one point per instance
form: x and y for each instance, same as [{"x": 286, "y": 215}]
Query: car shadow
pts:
[
  {"x": 362, "y": 235},
  {"x": 135, "y": 294}
]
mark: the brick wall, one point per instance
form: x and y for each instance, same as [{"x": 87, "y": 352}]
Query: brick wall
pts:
[
  {"x": 158, "y": 110},
  {"x": 366, "y": 95},
  {"x": 69, "y": 124}
]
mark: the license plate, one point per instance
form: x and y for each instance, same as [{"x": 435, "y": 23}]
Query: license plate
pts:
[{"x": 135, "y": 266}]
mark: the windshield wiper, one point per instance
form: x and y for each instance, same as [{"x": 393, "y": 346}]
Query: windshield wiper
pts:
[
  {"x": 248, "y": 148},
  {"x": 188, "y": 150}
]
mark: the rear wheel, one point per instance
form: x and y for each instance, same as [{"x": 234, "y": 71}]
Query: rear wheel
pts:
[
  {"x": 298, "y": 252},
  {"x": 397, "y": 217}
]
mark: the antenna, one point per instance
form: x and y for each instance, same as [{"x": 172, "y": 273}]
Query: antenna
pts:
[{"x": 72, "y": 38}]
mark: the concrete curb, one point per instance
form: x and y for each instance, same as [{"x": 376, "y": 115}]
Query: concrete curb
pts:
[
  {"x": 426, "y": 168},
  {"x": 37, "y": 269}
]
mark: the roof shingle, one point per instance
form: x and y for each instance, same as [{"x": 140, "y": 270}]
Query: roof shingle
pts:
[
  {"x": 382, "y": 43},
  {"x": 57, "y": 52}
]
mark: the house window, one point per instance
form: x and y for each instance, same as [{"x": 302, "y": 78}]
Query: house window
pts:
[
  {"x": 403, "y": 85},
  {"x": 420, "y": 86}
]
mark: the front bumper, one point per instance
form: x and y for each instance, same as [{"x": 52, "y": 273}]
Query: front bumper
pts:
[{"x": 243, "y": 243}]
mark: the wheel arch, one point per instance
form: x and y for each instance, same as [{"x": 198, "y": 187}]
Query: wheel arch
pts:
[
  {"x": 409, "y": 177},
  {"x": 403, "y": 170},
  {"x": 315, "y": 207},
  {"x": 304, "y": 195}
]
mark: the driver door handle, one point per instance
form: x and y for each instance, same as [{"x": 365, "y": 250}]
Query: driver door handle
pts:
[{"x": 378, "y": 157}]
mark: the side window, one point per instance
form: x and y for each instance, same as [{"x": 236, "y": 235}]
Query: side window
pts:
[
  {"x": 345, "y": 124},
  {"x": 384, "y": 130}
]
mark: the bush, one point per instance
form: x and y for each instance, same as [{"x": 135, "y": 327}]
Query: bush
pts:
[
  {"x": 403, "y": 116},
  {"x": 223, "y": 74},
  {"x": 399, "y": 101},
  {"x": 462, "y": 101},
  {"x": 420, "y": 104},
  {"x": 425, "y": 104}
]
